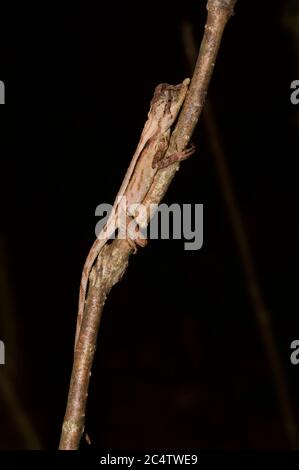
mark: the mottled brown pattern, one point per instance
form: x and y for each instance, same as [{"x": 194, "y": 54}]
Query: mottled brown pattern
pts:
[
  {"x": 113, "y": 259},
  {"x": 165, "y": 107},
  {"x": 175, "y": 157}
]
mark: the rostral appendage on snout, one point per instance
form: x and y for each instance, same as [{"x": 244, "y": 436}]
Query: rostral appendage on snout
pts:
[{"x": 149, "y": 157}]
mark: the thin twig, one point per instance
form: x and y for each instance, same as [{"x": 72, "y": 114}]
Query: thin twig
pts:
[
  {"x": 262, "y": 314},
  {"x": 9, "y": 374},
  {"x": 113, "y": 259},
  {"x": 18, "y": 413}
]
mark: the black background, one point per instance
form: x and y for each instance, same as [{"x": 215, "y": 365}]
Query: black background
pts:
[{"x": 180, "y": 361}]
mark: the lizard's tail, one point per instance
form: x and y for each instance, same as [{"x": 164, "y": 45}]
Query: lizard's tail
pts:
[{"x": 93, "y": 253}]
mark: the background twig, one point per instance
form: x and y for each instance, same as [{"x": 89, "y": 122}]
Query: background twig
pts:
[
  {"x": 10, "y": 376},
  {"x": 262, "y": 314}
]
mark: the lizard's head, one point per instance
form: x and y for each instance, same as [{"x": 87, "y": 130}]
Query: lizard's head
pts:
[{"x": 167, "y": 102}]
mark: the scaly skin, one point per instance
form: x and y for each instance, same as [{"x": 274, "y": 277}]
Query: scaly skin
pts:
[{"x": 147, "y": 160}]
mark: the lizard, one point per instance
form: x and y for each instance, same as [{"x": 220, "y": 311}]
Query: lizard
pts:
[{"x": 148, "y": 158}]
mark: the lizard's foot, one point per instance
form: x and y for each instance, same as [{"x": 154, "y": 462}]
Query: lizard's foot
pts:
[{"x": 174, "y": 157}]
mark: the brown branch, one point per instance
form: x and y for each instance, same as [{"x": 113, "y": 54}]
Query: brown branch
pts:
[{"x": 113, "y": 259}]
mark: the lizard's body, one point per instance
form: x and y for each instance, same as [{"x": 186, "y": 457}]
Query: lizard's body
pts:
[{"x": 146, "y": 161}]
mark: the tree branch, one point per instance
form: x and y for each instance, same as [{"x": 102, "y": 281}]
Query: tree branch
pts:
[{"x": 113, "y": 259}]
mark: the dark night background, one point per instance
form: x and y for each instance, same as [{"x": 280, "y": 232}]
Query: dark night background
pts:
[{"x": 180, "y": 362}]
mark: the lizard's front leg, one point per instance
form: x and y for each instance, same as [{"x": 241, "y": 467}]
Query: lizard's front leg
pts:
[
  {"x": 159, "y": 161},
  {"x": 162, "y": 160}
]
